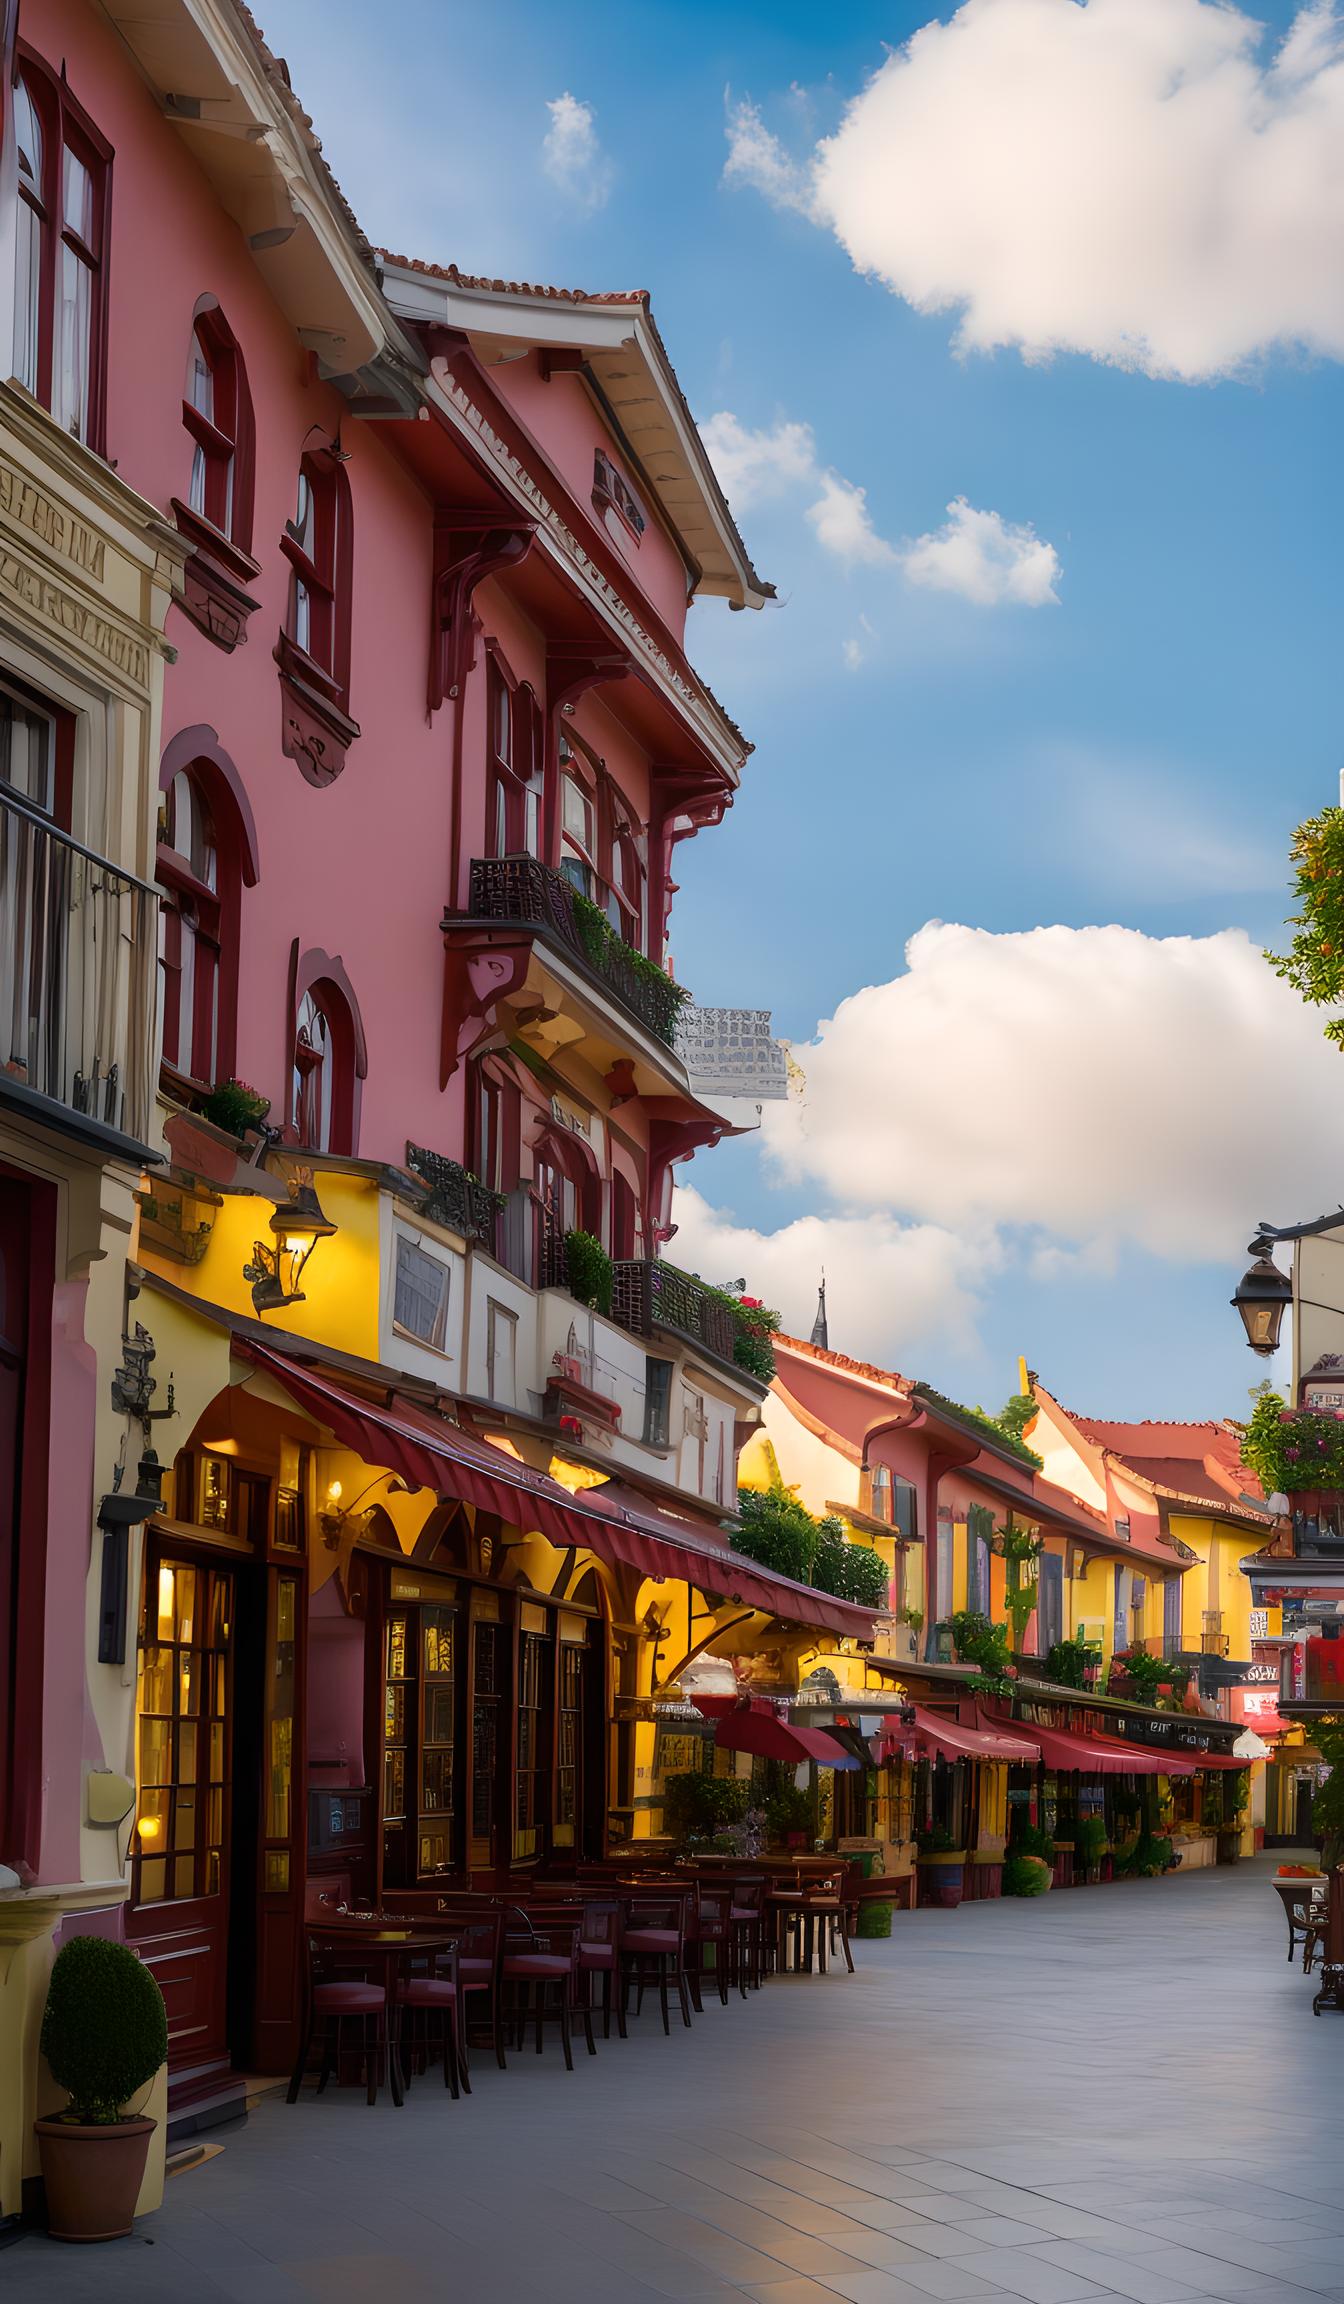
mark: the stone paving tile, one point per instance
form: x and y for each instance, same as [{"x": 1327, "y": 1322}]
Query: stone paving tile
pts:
[{"x": 967, "y": 2120}]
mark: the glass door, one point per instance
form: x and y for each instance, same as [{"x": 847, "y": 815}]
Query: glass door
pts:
[{"x": 438, "y": 1739}]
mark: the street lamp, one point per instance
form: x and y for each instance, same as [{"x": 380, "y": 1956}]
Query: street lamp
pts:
[
  {"x": 1263, "y": 1296},
  {"x": 298, "y": 1225}
]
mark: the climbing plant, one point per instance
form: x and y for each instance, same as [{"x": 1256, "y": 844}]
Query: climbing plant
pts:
[{"x": 1314, "y": 962}]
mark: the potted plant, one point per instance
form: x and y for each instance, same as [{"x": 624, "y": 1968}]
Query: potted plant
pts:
[
  {"x": 874, "y": 1918},
  {"x": 697, "y": 1805},
  {"x": 788, "y": 1816},
  {"x": 1025, "y": 1875},
  {"x": 104, "y": 2036},
  {"x": 944, "y": 1863},
  {"x": 1090, "y": 1845}
]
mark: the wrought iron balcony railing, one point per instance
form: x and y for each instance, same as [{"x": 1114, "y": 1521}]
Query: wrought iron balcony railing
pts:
[
  {"x": 456, "y": 1198},
  {"x": 530, "y": 894},
  {"x": 648, "y": 1296},
  {"x": 78, "y": 962}
]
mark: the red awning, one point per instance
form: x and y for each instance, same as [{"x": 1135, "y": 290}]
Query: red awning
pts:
[
  {"x": 1106, "y": 1756},
  {"x": 745, "y": 1724},
  {"x": 1218, "y": 1760},
  {"x": 932, "y": 1735},
  {"x": 428, "y": 1451}
]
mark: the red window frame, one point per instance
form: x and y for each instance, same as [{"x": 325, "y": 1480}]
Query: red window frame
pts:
[
  {"x": 316, "y": 976},
  {"x": 226, "y": 442},
  {"x": 320, "y": 556},
  {"x": 216, "y": 914},
  {"x": 516, "y": 781},
  {"x": 66, "y": 126}
]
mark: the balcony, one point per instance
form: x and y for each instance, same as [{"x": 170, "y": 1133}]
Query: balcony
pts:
[
  {"x": 650, "y": 1298},
  {"x": 78, "y": 963},
  {"x": 525, "y": 893},
  {"x": 457, "y": 1199}
]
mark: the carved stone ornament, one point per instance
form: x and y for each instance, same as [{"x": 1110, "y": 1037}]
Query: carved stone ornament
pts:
[
  {"x": 314, "y": 729},
  {"x": 478, "y": 974},
  {"x": 213, "y": 581}
]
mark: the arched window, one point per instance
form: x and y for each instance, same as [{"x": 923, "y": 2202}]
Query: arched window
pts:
[
  {"x": 217, "y": 414},
  {"x": 515, "y": 749},
  {"x": 60, "y": 273},
  {"x": 207, "y": 851},
  {"x": 327, "y": 1057},
  {"x": 624, "y": 894},
  {"x": 578, "y": 823},
  {"x": 314, "y": 649}
]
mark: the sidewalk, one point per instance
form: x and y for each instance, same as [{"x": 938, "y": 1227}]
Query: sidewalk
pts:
[{"x": 1112, "y": 2093}]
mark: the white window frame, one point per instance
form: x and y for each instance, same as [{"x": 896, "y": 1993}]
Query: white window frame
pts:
[{"x": 438, "y": 1341}]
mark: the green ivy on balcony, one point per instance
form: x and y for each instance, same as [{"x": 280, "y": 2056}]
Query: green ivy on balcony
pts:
[{"x": 780, "y": 1533}]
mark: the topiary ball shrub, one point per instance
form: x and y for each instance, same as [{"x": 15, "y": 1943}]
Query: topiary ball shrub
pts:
[
  {"x": 874, "y": 1918},
  {"x": 105, "y": 2031},
  {"x": 1026, "y": 1876}
]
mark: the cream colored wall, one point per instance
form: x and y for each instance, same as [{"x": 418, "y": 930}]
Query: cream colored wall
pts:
[
  {"x": 819, "y": 1472},
  {"x": 1318, "y": 1281}
]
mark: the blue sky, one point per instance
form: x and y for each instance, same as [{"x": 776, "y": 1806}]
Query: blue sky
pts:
[{"x": 1134, "y": 751}]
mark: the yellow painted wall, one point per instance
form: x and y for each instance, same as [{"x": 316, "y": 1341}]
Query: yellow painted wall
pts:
[{"x": 340, "y": 1282}]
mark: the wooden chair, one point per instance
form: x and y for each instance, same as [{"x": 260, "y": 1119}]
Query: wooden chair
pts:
[
  {"x": 747, "y": 1917},
  {"x": 541, "y": 1970},
  {"x": 712, "y": 1930},
  {"x": 479, "y": 1929},
  {"x": 429, "y": 2004},
  {"x": 653, "y": 1951},
  {"x": 600, "y": 1955},
  {"x": 339, "y": 1990}
]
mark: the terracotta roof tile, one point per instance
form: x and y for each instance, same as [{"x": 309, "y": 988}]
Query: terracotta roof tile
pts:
[
  {"x": 457, "y": 278},
  {"x": 875, "y": 1375}
]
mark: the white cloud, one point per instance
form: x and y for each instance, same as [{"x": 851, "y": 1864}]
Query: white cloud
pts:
[
  {"x": 852, "y": 651},
  {"x": 1144, "y": 181},
  {"x": 979, "y": 555},
  {"x": 984, "y": 558},
  {"x": 1090, "y": 1087},
  {"x": 757, "y": 157},
  {"x": 752, "y": 466},
  {"x": 844, "y": 524},
  {"x": 903, "y": 1286},
  {"x": 571, "y": 153}
]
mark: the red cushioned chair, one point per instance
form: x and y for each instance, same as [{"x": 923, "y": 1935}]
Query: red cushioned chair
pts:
[
  {"x": 338, "y": 1991},
  {"x": 600, "y": 1955},
  {"x": 540, "y": 1972},
  {"x": 428, "y": 2001},
  {"x": 653, "y": 1951},
  {"x": 711, "y": 1930},
  {"x": 479, "y": 1929}
]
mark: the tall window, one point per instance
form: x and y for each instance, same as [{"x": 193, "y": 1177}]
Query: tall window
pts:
[
  {"x": 59, "y": 280},
  {"x": 30, "y": 754},
  {"x": 979, "y": 1529},
  {"x": 190, "y": 930},
  {"x": 516, "y": 766},
  {"x": 217, "y": 414},
  {"x": 1049, "y": 1602},
  {"x": 624, "y": 903},
  {"x": 578, "y": 831},
  {"x": 327, "y": 1057},
  {"x": 879, "y": 1492},
  {"x": 1171, "y": 1615},
  {"x": 623, "y": 1218},
  {"x": 315, "y": 1068}
]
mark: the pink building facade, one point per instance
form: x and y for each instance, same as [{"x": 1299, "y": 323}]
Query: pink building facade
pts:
[{"x": 349, "y": 738}]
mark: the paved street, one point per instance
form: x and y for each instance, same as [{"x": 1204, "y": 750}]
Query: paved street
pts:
[{"x": 1118, "y": 2093}]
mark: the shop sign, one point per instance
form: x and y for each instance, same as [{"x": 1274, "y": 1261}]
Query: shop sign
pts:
[
  {"x": 1259, "y": 1624},
  {"x": 1180, "y": 1735},
  {"x": 1019, "y": 1798}
]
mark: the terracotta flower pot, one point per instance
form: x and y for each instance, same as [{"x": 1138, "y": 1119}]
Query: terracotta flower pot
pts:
[{"x": 92, "y": 2176}]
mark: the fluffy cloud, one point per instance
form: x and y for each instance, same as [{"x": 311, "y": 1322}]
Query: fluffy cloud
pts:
[
  {"x": 904, "y": 1286},
  {"x": 979, "y": 555},
  {"x": 755, "y": 465},
  {"x": 571, "y": 154},
  {"x": 1145, "y": 181},
  {"x": 984, "y": 558},
  {"x": 1088, "y": 1087}
]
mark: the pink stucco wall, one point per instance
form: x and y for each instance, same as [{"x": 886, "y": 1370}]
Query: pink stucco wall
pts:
[{"x": 359, "y": 869}]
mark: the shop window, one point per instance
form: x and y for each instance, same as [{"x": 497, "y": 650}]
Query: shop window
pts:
[
  {"x": 420, "y": 1302},
  {"x": 217, "y": 415},
  {"x": 60, "y": 281},
  {"x": 569, "y": 1732},
  {"x": 183, "y": 1696},
  {"x": 657, "y": 1403},
  {"x": 436, "y": 1851},
  {"x": 501, "y": 1354},
  {"x": 531, "y": 1773},
  {"x": 36, "y": 744}
]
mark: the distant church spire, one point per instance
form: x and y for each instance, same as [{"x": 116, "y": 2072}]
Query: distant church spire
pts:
[{"x": 819, "y": 1330}]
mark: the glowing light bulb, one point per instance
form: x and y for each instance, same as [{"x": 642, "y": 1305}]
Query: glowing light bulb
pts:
[{"x": 334, "y": 1492}]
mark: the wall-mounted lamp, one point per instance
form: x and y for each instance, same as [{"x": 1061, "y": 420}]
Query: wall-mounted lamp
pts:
[
  {"x": 335, "y": 1517},
  {"x": 1263, "y": 1296},
  {"x": 275, "y": 1271},
  {"x": 119, "y": 1512}
]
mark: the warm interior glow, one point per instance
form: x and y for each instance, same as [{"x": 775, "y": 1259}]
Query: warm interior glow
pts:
[
  {"x": 576, "y": 1477},
  {"x": 297, "y": 1243},
  {"x": 148, "y": 1827},
  {"x": 165, "y": 1603},
  {"x": 334, "y": 1491}
]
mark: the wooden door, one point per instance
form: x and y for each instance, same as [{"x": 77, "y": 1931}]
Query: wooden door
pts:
[{"x": 178, "y": 1915}]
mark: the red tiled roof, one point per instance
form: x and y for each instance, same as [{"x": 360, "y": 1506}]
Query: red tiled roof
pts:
[
  {"x": 457, "y": 278},
  {"x": 1197, "y": 1463},
  {"x": 841, "y": 1360}
]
